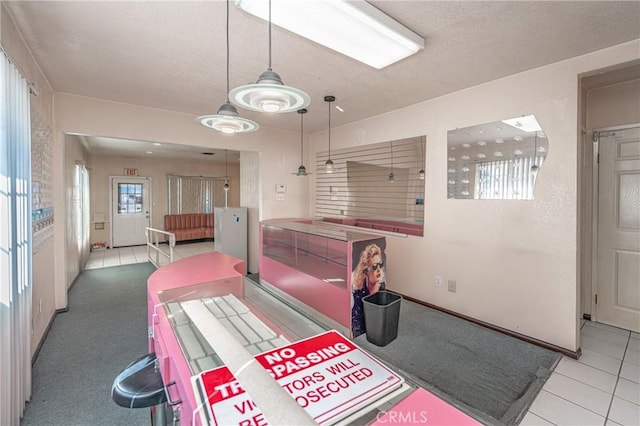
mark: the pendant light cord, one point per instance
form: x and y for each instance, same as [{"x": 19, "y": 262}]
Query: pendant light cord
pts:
[
  {"x": 226, "y": 172},
  {"x": 391, "y": 143},
  {"x": 269, "y": 35},
  {"x": 301, "y": 139},
  {"x": 228, "y": 51},
  {"x": 329, "y": 130}
]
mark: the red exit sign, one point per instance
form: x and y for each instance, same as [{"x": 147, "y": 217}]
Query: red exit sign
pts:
[{"x": 131, "y": 172}]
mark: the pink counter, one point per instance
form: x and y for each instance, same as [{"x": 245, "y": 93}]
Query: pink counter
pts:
[
  {"x": 216, "y": 273},
  {"x": 182, "y": 273}
]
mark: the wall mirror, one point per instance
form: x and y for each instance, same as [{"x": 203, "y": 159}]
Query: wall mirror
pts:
[
  {"x": 378, "y": 186},
  {"x": 498, "y": 161}
]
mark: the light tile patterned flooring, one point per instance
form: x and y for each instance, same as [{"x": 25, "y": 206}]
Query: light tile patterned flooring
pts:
[
  {"x": 601, "y": 388},
  {"x": 138, "y": 254}
]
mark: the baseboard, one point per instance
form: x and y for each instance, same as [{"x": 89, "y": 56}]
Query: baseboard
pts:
[
  {"x": 46, "y": 332},
  {"x": 53, "y": 317},
  {"x": 528, "y": 339}
]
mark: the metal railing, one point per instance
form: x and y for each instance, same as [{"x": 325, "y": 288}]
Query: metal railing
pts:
[{"x": 153, "y": 245}]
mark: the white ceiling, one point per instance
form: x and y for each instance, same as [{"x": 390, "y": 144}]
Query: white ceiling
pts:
[{"x": 171, "y": 54}]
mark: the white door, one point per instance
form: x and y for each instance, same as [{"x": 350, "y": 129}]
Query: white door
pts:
[
  {"x": 130, "y": 213},
  {"x": 618, "y": 294}
]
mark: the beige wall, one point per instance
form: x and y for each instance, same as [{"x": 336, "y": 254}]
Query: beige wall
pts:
[
  {"x": 515, "y": 262},
  {"x": 103, "y": 167},
  {"x": 613, "y": 105}
]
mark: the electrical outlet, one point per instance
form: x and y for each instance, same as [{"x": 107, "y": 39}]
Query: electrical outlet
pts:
[
  {"x": 452, "y": 286},
  {"x": 438, "y": 281}
]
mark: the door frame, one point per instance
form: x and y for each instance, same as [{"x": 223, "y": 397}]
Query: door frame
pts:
[
  {"x": 595, "y": 210},
  {"x": 110, "y": 190}
]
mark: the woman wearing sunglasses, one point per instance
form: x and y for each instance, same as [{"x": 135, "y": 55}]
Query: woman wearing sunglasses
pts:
[{"x": 367, "y": 278}]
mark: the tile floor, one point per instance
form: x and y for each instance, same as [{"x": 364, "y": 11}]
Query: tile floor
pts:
[
  {"x": 138, "y": 254},
  {"x": 601, "y": 388}
]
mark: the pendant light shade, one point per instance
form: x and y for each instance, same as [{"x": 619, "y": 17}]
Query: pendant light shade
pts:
[
  {"x": 227, "y": 120},
  {"x": 328, "y": 165},
  {"x": 302, "y": 170},
  {"x": 269, "y": 94}
]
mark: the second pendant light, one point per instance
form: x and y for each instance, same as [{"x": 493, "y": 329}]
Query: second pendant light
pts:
[
  {"x": 328, "y": 165},
  {"x": 269, "y": 94}
]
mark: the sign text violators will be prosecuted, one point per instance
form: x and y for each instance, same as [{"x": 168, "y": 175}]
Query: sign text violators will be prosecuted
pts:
[{"x": 327, "y": 375}]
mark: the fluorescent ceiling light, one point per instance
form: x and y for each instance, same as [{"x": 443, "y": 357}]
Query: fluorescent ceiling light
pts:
[
  {"x": 526, "y": 123},
  {"x": 354, "y": 28}
]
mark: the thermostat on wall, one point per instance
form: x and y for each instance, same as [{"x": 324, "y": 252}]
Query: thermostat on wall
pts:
[{"x": 281, "y": 188}]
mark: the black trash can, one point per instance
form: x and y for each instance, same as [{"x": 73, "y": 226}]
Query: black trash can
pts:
[{"x": 381, "y": 317}]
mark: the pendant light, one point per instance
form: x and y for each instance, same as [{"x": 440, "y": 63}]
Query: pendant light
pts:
[
  {"x": 226, "y": 186},
  {"x": 392, "y": 177},
  {"x": 421, "y": 172},
  {"x": 269, "y": 94},
  {"x": 534, "y": 167},
  {"x": 328, "y": 165},
  {"x": 302, "y": 170},
  {"x": 227, "y": 120}
]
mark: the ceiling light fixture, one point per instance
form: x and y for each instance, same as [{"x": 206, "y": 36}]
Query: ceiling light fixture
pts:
[
  {"x": 302, "y": 170},
  {"x": 526, "y": 123},
  {"x": 328, "y": 165},
  {"x": 332, "y": 23},
  {"x": 269, "y": 94},
  {"x": 227, "y": 120}
]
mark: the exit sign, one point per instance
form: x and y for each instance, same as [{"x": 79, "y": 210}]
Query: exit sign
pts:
[{"x": 131, "y": 172}]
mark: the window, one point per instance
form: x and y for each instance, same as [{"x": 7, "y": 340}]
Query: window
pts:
[
  {"x": 194, "y": 194},
  {"x": 129, "y": 198},
  {"x": 15, "y": 243},
  {"x": 506, "y": 180}
]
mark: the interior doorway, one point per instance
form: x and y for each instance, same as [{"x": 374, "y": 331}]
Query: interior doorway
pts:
[
  {"x": 617, "y": 300},
  {"x": 609, "y": 196},
  {"x": 130, "y": 210}
]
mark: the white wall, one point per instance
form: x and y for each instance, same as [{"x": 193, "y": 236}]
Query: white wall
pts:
[{"x": 515, "y": 262}]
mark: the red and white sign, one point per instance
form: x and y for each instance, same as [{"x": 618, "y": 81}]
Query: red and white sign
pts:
[{"x": 327, "y": 375}]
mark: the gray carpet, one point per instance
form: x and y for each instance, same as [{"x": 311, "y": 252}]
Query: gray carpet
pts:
[
  {"x": 472, "y": 367},
  {"x": 104, "y": 330}
]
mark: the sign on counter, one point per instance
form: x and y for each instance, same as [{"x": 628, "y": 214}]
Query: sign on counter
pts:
[{"x": 327, "y": 375}]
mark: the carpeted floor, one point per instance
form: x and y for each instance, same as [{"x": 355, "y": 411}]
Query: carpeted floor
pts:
[
  {"x": 104, "y": 330},
  {"x": 475, "y": 368}
]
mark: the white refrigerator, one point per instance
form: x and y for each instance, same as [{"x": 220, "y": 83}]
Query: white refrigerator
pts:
[{"x": 230, "y": 235}]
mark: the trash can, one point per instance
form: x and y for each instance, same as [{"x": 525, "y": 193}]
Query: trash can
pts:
[{"x": 381, "y": 316}]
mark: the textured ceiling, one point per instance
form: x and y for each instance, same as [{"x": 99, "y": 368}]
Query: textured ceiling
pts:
[{"x": 171, "y": 55}]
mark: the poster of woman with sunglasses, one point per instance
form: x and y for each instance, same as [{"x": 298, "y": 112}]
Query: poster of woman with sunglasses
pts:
[{"x": 367, "y": 278}]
